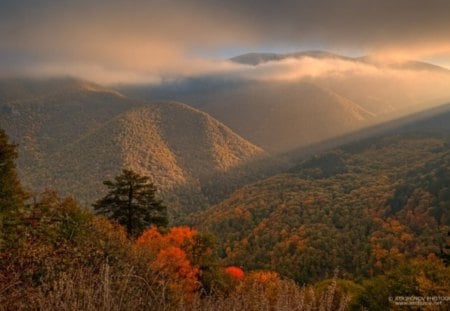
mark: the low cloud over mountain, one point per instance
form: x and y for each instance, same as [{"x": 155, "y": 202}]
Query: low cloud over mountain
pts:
[{"x": 112, "y": 41}]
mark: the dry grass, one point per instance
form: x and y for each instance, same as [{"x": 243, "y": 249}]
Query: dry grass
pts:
[{"x": 109, "y": 290}]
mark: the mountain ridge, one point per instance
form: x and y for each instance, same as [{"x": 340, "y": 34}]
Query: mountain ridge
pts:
[
  {"x": 258, "y": 58},
  {"x": 74, "y": 140},
  {"x": 282, "y": 108},
  {"x": 348, "y": 208}
]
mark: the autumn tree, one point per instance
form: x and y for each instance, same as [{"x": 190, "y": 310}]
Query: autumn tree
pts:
[
  {"x": 177, "y": 271},
  {"x": 169, "y": 254},
  {"x": 235, "y": 273},
  {"x": 131, "y": 201},
  {"x": 11, "y": 193},
  {"x": 198, "y": 249}
]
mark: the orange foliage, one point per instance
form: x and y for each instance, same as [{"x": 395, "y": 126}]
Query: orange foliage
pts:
[
  {"x": 179, "y": 235},
  {"x": 268, "y": 281},
  {"x": 154, "y": 241},
  {"x": 235, "y": 272},
  {"x": 173, "y": 260},
  {"x": 309, "y": 200},
  {"x": 173, "y": 264},
  {"x": 150, "y": 238},
  {"x": 169, "y": 257},
  {"x": 265, "y": 277},
  {"x": 398, "y": 242}
]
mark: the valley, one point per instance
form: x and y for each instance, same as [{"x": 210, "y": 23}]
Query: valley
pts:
[{"x": 192, "y": 155}]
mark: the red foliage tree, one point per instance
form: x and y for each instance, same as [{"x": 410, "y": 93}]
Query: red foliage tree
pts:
[
  {"x": 235, "y": 272},
  {"x": 181, "y": 276}
]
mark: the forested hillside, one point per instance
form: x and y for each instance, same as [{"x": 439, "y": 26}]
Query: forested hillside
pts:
[
  {"x": 356, "y": 225},
  {"x": 75, "y": 136},
  {"x": 361, "y": 208},
  {"x": 56, "y": 255},
  {"x": 364, "y": 208},
  {"x": 286, "y": 101},
  {"x": 251, "y": 155}
]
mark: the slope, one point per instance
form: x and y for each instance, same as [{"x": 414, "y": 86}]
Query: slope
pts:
[
  {"x": 73, "y": 140},
  {"x": 283, "y": 104},
  {"x": 45, "y": 115},
  {"x": 261, "y": 58},
  {"x": 277, "y": 116},
  {"x": 362, "y": 208}
]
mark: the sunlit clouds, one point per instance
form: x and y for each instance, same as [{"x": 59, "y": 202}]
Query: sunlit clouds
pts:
[{"x": 150, "y": 41}]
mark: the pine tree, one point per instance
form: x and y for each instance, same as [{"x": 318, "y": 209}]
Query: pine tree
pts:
[{"x": 132, "y": 202}]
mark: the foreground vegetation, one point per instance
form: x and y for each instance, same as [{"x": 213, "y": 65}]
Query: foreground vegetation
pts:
[
  {"x": 379, "y": 210},
  {"x": 348, "y": 230},
  {"x": 64, "y": 258},
  {"x": 55, "y": 255}
]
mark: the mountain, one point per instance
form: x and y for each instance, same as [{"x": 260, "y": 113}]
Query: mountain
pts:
[
  {"x": 260, "y": 58},
  {"x": 321, "y": 96},
  {"x": 362, "y": 208},
  {"x": 388, "y": 89},
  {"x": 408, "y": 64},
  {"x": 256, "y": 58},
  {"x": 15, "y": 89},
  {"x": 277, "y": 116},
  {"x": 45, "y": 115},
  {"x": 74, "y": 138}
]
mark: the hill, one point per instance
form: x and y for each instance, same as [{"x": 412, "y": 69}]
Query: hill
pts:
[
  {"x": 282, "y": 104},
  {"x": 363, "y": 208},
  {"x": 45, "y": 115},
  {"x": 260, "y": 58},
  {"x": 256, "y": 58},
  {"x": 277, "y": 116},
  {"x": 77, "y": 137}
]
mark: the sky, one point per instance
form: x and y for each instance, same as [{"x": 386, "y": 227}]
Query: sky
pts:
[{"x": 119, "y": 41}]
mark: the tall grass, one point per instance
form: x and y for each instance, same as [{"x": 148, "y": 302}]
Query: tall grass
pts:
[{"x": 107, "y": 289}]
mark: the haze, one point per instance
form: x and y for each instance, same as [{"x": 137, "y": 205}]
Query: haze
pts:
[{"x": 151, "y": 41}]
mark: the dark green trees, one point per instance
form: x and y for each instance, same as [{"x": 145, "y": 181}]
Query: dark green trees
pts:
[
  {"x": 131, "y": 201},
  {"x": 11, "y": 193}
]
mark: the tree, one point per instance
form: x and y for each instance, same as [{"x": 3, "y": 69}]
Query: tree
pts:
[
  {"x": 12, "y": 195},
  {"x": 198, "y": 251},
  {"x": 176, "y": 269},
  {"x": 131, "y": 201},
  {"x": 235, "y": 272},
  {"x": 11, "y": 192}
]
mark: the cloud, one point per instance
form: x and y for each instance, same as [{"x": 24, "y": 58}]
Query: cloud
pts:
[
  {"x": 142, "y": 34},
  {"x": 117, "y": 75},
  {"x": 290, "y": 69},
  {"x": 308, "y": 67},
  {"x": 154, "y": 39}
]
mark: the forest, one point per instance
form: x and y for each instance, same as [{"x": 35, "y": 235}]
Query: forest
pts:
[
  {"x": 355, "y": 227},
  {"x": 56, "y": 255},
  {"x": 205, "y": 155},
  {"x": 371, "y": 209}
]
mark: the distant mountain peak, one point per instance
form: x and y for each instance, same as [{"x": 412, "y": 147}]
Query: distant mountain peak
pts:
[{"x": 255, "y": 58}]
